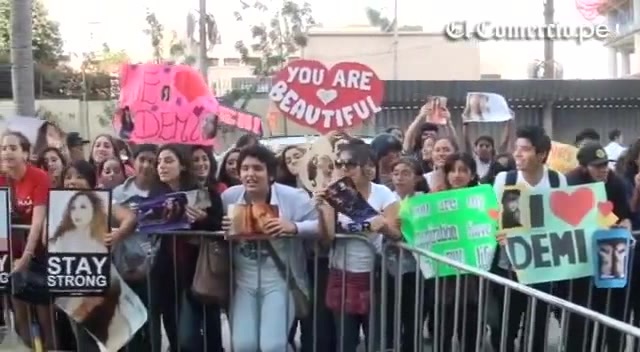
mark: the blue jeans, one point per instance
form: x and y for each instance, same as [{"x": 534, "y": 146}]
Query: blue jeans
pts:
[{"x": 259, "y": 319}]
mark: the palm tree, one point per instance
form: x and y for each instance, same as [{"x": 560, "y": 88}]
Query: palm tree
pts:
[{"x": 22, "y": 65}]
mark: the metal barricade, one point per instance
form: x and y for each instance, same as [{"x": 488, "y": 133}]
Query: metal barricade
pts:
[
  {"x": 403, "y": 307},
  {"x": 471, "y": 311}
]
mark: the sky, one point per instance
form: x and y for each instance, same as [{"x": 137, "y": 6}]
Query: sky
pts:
[{"x": 120, "y": 23}]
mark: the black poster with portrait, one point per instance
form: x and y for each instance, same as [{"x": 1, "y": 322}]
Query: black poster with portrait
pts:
[{"x": 78, "y": 261}]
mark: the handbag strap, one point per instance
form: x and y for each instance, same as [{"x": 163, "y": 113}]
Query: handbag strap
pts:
[{"x": 283, "y": 269}]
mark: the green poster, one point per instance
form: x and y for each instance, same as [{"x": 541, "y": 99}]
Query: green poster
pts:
[
  {"x": 554, "y": 238},
  {"x": 458, "y": 224}
]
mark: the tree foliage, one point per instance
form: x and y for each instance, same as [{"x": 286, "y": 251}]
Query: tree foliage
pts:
[
  {"x": 47, "y": 42},
  {"x": 274, "y": 42},
  {"x": 156, "y": 35},
  {"x": 377, "y": 19},
  {"x": 104, "y": 61}
]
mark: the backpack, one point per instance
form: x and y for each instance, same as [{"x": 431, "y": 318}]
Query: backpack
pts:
[{"x": 512, "y": 178}]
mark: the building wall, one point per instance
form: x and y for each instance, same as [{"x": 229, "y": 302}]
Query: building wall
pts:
[{"x": 421, "y": 56}]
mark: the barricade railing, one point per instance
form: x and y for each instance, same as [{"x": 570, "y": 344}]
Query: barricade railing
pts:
[
  {"x": 438, "y": 306},
  {"x": 471, "y": 317}
]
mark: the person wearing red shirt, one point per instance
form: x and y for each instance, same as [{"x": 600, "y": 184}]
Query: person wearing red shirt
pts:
[{"x": 29, "y": 191}]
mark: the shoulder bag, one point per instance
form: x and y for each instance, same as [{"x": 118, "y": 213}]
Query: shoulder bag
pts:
[
  {"x": 211, "y": 278},
  {"x": 300, "y": 300}
]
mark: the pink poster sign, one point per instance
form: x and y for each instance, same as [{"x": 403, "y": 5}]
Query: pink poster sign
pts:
[{"x": 161, "y": 103}]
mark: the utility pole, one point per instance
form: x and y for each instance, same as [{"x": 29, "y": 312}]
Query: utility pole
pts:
[
  {"x": 395, "y": 40},
  {"x": 549, "y": 62},
  {"x": 203, "y": 57}
]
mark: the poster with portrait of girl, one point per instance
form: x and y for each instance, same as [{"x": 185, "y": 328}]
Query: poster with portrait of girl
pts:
[
  {"x": 486, "y": 107},
  {"x": 249, "y": 220},
  {"x": 79, "y": 267},
  {"x": 514, "y": 210}
]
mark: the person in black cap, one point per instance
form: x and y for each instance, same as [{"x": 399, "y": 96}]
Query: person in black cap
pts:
[
  {"x": 76, "y": 144},
  {"x": 594, "y": 167}
]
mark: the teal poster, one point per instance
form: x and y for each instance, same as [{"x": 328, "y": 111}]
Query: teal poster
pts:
[
  {"x": 552, "y": 239},
  {"x": 458, "y": 224}
]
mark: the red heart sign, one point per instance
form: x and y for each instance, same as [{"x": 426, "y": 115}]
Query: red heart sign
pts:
[
  {"x": 605, "y": 208},
  {"x": 190, "y": 85},
  {"x": 494, "y": 214},
  {"x": 327, "y": 99},
  {"x": 572, "y": 208}
]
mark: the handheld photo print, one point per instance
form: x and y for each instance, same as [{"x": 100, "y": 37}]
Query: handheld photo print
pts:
[
  {"x": 249, "y": 220},
  {"x": 514, "y": 210},
  {"x": 486, "y": 107},
  {"x": 439, "y": 111}
]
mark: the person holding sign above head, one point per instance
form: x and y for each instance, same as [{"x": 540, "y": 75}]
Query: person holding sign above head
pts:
[
  {"x": 594, "y": 167},
  {"x": 420, "y": 129},
  {"x": 352, "y": 258},
  {"x": 484, "y": 148},
  {"x": 29, "y": 190},
  {"x": 532, "y": 148}
]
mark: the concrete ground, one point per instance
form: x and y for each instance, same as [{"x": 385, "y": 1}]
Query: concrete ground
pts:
[{"x": 10, "y": 342}]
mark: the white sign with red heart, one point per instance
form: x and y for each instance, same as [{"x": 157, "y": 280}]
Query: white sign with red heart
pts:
[{"x": 327, "y": 99}]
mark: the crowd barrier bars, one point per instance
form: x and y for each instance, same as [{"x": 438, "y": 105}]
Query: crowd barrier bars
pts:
[
  {"x": 171, "y": 290},
  {"x": 440, "y": 318},
  {"x": 371, "y": 335},
  {"x": 161, "y": 286}
]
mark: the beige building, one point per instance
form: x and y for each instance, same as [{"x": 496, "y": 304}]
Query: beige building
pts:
[{"x": 420, "y": 56}]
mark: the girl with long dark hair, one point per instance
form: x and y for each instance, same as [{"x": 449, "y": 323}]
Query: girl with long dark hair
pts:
[
  {"x": 178, "y": 255},
  {"x": 53, "y": 162},
  {"x": 229, "y": 168}
]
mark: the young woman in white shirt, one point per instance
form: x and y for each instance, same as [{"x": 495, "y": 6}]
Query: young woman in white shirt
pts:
[{"x": 353, "y": 260}]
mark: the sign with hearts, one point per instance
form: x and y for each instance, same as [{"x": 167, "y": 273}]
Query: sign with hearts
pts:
[
  {"x": 551, "y": 239},
  {"x": 344, "y": 96},
  {"x": 162, "y": 103},
  {"x": 582, "y": 201}
]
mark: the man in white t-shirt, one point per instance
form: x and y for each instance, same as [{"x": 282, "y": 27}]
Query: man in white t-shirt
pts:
[
  {"x": 531, "y": 151},
  {"x": 614, "y": 149}
]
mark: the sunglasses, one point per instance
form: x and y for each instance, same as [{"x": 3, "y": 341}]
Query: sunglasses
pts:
[{"x": 350, "y": 164}]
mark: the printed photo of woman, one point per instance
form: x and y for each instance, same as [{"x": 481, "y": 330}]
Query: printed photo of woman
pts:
[
  {"x": 126, "y": 123},
  {"x": 510, "y": 218},
  {"x": 477, "y": 107},
  {"x": 210, "y": 126},
  {"x": 81, "y": 225}
]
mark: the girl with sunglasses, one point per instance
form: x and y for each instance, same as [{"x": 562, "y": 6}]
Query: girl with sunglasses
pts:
[{"x": 352, "y": 260}]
